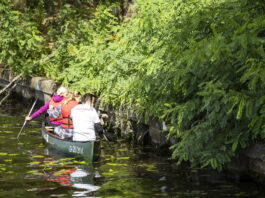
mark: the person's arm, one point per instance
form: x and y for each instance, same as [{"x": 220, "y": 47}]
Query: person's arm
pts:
[
  {"x": 40, "y": 111},
  {"x": 97, "y": 124},
  {"x": 98, "y": 128}
]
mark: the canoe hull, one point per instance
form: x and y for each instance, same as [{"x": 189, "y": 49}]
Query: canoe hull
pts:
[{"x": 71, "y": 148}]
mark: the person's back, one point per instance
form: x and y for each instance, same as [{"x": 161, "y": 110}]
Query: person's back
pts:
[
  {"x": 54, "y": 103},
  {"x": 84, "y": 117},
  {"x": 66, "y": 112},
  {"x": 65, "y": 130}
]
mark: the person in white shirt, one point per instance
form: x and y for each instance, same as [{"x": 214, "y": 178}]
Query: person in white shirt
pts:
[{"x": 84, "y": 118}]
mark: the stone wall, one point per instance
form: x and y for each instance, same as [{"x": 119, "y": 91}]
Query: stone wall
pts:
[
  {"x": 35, "y": 87},
  {"x": 249, "y": 162}
]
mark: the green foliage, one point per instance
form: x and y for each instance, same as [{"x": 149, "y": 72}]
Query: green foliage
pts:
[
  {"x": 198, "y": 65},
  {"x": 20, "y": 40}
]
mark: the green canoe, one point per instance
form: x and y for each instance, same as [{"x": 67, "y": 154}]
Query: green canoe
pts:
[{"x": 84, "y": 149}]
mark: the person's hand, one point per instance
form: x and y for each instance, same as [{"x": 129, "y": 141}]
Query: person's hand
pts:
[
  {"x": 104, "y": 115},
  {"x": 28, "y": 118}
]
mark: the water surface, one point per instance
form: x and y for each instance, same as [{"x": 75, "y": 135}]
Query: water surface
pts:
[{"x": 28, "y": 168}]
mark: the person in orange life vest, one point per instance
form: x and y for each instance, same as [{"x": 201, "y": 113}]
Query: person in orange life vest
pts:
[
  {"x": 53, "y": 102},
  {"x": 65, "y": 130}
]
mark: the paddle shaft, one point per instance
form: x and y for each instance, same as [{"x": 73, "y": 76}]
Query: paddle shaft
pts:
[{"x": 26, "y": 120}]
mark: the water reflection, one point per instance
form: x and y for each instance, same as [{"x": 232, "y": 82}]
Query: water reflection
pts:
[{"x": 69, "y": 172}]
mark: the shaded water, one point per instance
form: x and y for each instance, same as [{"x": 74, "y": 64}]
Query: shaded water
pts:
[{"x": 29, "y": 169}]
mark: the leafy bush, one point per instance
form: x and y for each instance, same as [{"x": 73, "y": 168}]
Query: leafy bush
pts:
[{"x": 20, "y": 40}]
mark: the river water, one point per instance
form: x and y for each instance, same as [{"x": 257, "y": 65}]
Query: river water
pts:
[{"x": 28, "y": 168}]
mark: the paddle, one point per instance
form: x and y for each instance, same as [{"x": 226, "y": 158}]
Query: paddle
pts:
[{"x": 26, "y": 120}]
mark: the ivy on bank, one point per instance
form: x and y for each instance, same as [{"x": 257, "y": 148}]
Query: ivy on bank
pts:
[{"x": 198, "y": 65}]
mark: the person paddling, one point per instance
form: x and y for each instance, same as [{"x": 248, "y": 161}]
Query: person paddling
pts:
[{"x": 52, "y": 103}]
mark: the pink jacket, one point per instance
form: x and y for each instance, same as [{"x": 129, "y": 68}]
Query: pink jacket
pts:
[{"x": 45, "y": 107}]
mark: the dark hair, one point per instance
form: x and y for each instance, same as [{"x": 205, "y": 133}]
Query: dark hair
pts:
[{"x": 89, "y": 97}]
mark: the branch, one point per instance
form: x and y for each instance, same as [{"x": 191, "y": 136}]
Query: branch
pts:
[
  {"x": 18, "y": 76},
  {"x": 14, "y": 80},
  {"x": 8, "y": 93}
]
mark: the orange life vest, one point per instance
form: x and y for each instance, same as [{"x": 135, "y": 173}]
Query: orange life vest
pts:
[
  {"x": 66, "y": 113},
  {"x": 55, "y": 105}
]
